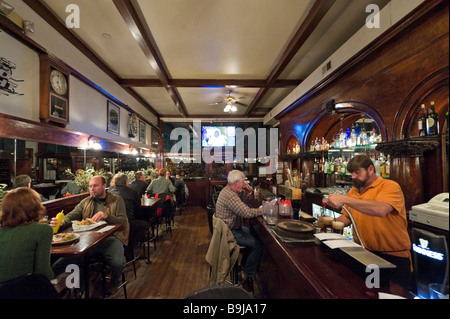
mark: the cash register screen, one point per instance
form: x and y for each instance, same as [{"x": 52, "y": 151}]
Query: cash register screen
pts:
[{"x": 430, "y": 253}]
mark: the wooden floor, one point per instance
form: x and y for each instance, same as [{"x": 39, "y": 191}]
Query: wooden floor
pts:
[{"x": 178, "y": 265}]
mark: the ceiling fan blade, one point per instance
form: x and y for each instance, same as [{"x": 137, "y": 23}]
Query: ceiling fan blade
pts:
[
  {"x": 241, "y": 104},
  {"x": 216, "y": 103}
]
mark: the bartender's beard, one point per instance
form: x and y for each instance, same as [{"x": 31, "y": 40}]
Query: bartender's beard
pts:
[{"x": 360, "y": 183}]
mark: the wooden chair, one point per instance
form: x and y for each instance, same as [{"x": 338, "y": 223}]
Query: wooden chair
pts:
[{"x": 167, "y": 215}]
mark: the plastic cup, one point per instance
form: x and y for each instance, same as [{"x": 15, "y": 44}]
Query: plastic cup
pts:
[{"x": 438, "y": 291}]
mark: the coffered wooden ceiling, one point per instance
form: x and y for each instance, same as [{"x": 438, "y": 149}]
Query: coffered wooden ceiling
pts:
[{"x": 181, "y": 56}]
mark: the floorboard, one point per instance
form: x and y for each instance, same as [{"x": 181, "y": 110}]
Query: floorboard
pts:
[{"x": 178, "y": 265}]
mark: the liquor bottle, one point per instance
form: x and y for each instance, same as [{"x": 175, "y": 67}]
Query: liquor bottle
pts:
[
  {"x": 388, "y": 167},
  {"x": 422, "y": 122},
  {"x": 341, "y": 138},
  {"x": 326, "y": 168},
  {"x": 376, "y": 164},
  {"x": 344, "y": 167},
  {"x": 432, "y": 121},
  {"x": 383, "y": 167}
]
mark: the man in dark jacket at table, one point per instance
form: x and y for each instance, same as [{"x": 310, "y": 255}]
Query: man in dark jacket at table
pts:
[
  {"x": 138, "y": 228},
  {"x": 139, "y": 185},
  {"x": 101, "y": 206}
]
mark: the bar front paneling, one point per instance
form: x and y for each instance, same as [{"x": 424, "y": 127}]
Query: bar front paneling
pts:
[{"x": 310, "y": 271}]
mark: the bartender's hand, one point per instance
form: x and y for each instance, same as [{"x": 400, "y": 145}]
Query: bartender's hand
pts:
[
  {"x": 54, "y": 222},
  {"x": 99, "y": 216},
  {"x": 336, "y": 201}
]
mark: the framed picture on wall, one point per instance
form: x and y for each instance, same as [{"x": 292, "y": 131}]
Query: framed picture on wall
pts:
[
  {"x": 142, "y": 132},
  {"x": 154, "y": 137},
  {"x": 113, "y": 118}
]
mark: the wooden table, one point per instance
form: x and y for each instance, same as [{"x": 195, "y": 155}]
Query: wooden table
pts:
[
  {"x": 311, "y": 271},
  {"x": 78, "y": 249},
  {"x": 148, "y": 211}
]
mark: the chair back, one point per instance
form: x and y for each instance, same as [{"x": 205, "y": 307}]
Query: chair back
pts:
[
  {"x": 165, "y": 204},
  {"x": 30, "y": 286}
]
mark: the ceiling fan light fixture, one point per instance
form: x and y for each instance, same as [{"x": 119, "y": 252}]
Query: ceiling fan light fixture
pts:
[
  {"x": 233, "y": 108},
  {"x": 227, "y": 108}
]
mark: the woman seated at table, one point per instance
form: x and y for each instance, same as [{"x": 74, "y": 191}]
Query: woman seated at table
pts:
[{"x": 25, "y": 243}]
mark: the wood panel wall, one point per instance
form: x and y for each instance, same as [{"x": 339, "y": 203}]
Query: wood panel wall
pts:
[{"x": 406, "y": 67}]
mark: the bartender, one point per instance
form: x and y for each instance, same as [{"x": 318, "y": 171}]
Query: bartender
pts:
[{"x": 378, "y": 209}]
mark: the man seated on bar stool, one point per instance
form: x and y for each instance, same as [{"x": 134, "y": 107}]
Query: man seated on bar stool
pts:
[
  {"x": 378, "y": 208},
  {"x": 120, "y": 186},
  {"x": 101, "y": 205},
  {"x": 231, "y": 208}
]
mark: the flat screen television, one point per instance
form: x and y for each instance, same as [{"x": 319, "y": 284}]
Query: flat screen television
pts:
[{"x": 218, "y": 136}]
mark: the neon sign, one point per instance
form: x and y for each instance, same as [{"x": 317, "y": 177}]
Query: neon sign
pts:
[{"x": 423, "y": 249}]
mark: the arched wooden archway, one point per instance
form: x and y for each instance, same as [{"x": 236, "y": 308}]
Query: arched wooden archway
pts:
[{"x": 327, "y": 125}]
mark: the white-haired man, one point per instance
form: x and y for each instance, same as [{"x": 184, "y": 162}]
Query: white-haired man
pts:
[{"x": 231, "y": 209}]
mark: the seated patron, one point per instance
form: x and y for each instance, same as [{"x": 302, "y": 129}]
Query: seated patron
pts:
[
  {"x": 25, "y": 243},
  {"x": 101, "y": 205},
  {"x": 25, "y": 181},
  {"x": 139, "y": 185},
  {"x": 161, "y": 185},
  {"x": 231, "y": 208},
  {"x": 71, "y": 188},
  {"x": 179, "y": 192},
  {"x": 120, "y": 186}
]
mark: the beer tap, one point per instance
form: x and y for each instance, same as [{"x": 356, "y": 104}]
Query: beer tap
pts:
[{"x": 354, "y": 225}]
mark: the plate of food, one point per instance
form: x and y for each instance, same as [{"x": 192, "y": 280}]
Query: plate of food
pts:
[
  {"x": 86, "y": 224},
  {"x": 64, "y": 238}
]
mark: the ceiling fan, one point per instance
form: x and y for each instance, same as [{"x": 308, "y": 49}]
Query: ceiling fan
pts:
[{"x": 230, "y": 102}]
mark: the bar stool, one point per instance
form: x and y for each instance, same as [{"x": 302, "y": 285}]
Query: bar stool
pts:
[
  {"x": 237, "y": 268},
  {"x": 104, "y": 271}
]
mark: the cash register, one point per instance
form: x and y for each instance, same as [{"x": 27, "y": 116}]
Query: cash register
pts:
[{"x": 435, "y": 213}]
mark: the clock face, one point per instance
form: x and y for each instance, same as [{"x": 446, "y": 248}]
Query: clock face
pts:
[{"x": 58, "y": 82}]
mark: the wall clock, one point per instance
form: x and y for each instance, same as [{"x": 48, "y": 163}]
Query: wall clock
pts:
[
  {"x": 54, "y": 91},
  {"x": 132, "y": 125}
]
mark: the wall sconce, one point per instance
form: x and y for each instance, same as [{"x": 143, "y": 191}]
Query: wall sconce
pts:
[
  {"x": 94, "y": 143},
  {"x": 28, "y": 26},
  {"x": 133, "y": 151}
]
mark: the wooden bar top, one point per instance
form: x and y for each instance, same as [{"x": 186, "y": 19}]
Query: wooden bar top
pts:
[{"x": 312, "y": 271}]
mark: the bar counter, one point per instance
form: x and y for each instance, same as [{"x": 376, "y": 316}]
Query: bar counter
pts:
[{"x": 311, "y": 271}]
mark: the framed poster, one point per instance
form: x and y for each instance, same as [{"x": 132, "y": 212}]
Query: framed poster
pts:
[
  {"x": 142, "y": 132},
  {"x": 59, "y": 109},
  {"x": 154, "y": 137},
  {"x": 113, "y": 118}
]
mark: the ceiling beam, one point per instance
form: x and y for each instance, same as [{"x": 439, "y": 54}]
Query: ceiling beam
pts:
[
  {"x": 208, "y": 83},
  {"x": 134, "y": 19},
  {"x": 50, "y": 17},
  {"x": 315, "y": 15}
]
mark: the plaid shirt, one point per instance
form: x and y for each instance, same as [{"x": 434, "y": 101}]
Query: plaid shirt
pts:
[{"x": 231, "y": 209}]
